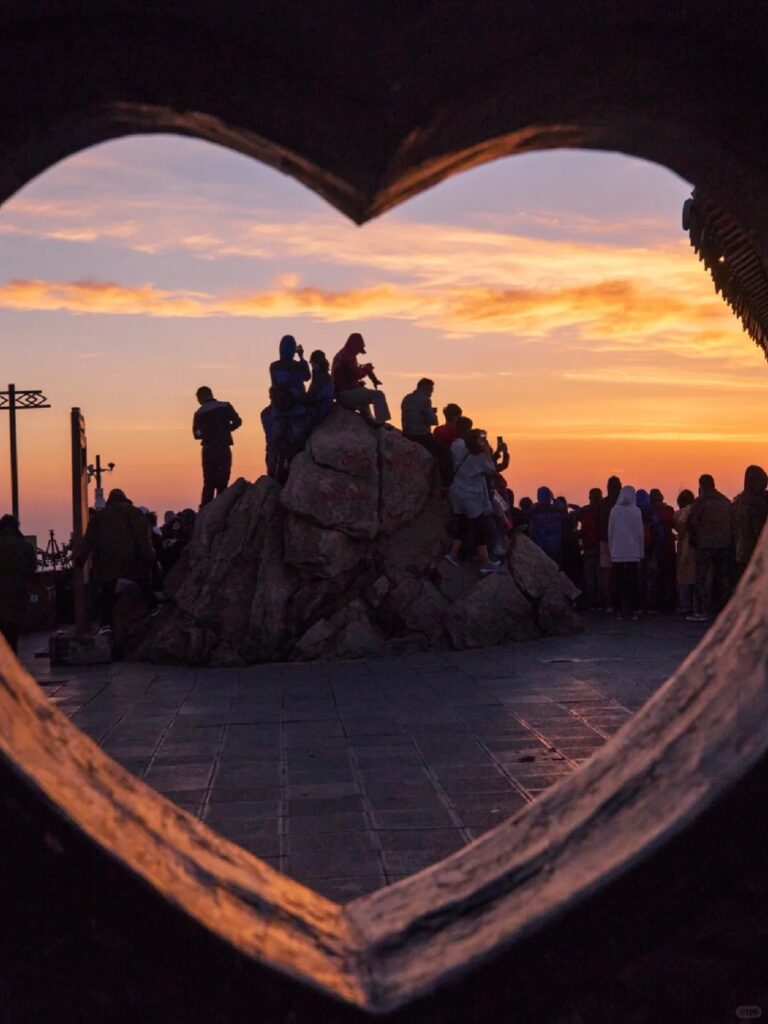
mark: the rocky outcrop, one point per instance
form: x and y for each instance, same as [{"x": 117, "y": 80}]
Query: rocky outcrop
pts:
[{"x": 346, "y": 560}]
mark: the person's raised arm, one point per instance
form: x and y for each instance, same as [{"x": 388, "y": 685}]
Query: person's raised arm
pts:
[
  {"x": 234, "y": 419},
  {"x": 502, "y": 462}
]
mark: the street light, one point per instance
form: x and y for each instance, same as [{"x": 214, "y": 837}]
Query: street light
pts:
[{"x": 98, "y": 471}]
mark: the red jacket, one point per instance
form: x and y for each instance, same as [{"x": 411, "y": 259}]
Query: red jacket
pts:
[
  {"x": 446, "y": 434},
  {"x": 589, "y": 518}
]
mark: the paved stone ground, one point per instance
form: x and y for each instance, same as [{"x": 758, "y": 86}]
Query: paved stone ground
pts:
[{"x": 349, "y": 776}]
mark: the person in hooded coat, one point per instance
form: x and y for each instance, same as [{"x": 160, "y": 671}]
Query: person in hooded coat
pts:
[
  {"x": 288, "y": 421},
  {"x": 348, "y": 374},
  {"x": 18, "y": 564},
  {"x": 626, "y": 543},
  {"x": 750, "y": 510}
]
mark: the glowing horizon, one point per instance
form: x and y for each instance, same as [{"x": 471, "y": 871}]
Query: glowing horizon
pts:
[{"x": 554, "y": 296}]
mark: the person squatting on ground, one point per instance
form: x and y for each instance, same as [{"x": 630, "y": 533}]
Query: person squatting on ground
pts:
[
  {"x": 470, "y": 500},
  {"x": 626, "y": 544},
  {"x": 212, "y": 425},
  {"x": 119, "y": 539},
  {"x": 18, "y": 564},
  {"x": 348, "y": 375},
  {"x": 710, "y": 528},
  {"x": 419, "y": 415}
]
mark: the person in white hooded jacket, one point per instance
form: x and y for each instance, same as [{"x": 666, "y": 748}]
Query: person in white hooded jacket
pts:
[{"x": 626, "y": 543}]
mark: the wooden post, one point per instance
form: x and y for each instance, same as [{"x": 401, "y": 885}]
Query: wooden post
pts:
[{"x": 14, "y": 450}]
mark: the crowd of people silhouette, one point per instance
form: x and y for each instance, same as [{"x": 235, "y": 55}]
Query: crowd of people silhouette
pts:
[{"x": 627, "y": 551}]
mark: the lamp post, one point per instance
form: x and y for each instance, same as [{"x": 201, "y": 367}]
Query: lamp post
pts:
[
  {"x": 12, "y": 400},
  {"x": 98, "y": 471}
]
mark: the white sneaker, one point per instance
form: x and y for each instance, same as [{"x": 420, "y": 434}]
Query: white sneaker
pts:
[{"x": 105, "y": 630}]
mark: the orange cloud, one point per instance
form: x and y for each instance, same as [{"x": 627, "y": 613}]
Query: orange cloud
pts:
[{"x": 616, "y": 313}]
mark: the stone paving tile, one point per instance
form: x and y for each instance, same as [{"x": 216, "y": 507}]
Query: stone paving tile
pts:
[{"x": 352, "y": 775}]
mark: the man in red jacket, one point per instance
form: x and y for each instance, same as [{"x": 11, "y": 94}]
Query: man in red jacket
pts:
[{"x": 347, "y": 376}]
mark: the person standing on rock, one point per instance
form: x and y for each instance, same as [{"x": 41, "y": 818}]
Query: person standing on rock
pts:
[
  {"x": 212, "y": 425},
  {"x": 348, "y": 375},
  {"x": 18, "y": 564},
  {"x": 471, "y": 502},
  {"x": 320, "y": 393},
  {"x": 419, "y": 415},
  {"x": 446, "y": 434}
]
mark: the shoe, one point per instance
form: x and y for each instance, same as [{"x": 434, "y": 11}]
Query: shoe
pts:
[
  {"x": 449, "y": 558},
  {"x": 105, "y": 631},
  {"x": 697, "y": 617},
  {"x": 491, "y": 567}
]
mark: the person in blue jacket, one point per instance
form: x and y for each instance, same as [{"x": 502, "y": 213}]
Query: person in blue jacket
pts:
[
  {"x": 289, "y": 420},
  {"x": 546, "y": 525}
]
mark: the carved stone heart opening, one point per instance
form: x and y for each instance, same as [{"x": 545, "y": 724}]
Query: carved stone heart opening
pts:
[{"x": 635, "y": 889}]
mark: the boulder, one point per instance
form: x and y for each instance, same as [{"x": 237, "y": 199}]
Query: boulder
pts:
[
  {"x": 318, "y": 553},
  {"x": 345, "y": 442},
  {"x": 408, "y": 474},
  {"x": 345, "y": 561},
  {"x": 494, "y": 610},
  {"x": 338, "y": 501}
]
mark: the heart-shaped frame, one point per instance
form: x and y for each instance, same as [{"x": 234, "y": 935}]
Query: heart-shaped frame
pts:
[{"x": 634, "y": 890}]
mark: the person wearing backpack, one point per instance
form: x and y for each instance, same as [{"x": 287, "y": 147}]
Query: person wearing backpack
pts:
[{"x": 212, "y": 426}]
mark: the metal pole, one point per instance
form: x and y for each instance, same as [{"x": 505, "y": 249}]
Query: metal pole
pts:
[
  {"x": 14, "y": 453},
  {"x": 99, "y": 499}
]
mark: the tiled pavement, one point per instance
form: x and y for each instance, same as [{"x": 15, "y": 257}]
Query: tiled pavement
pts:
[{"x": 351, "y": 775}]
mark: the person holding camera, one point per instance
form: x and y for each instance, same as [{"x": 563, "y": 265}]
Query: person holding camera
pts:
[
  {"x": 419, "y": 415},
  {"x": 348, "y": 374}
]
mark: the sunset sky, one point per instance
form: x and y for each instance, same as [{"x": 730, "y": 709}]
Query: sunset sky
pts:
[{"x": 554, "y": 296}]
